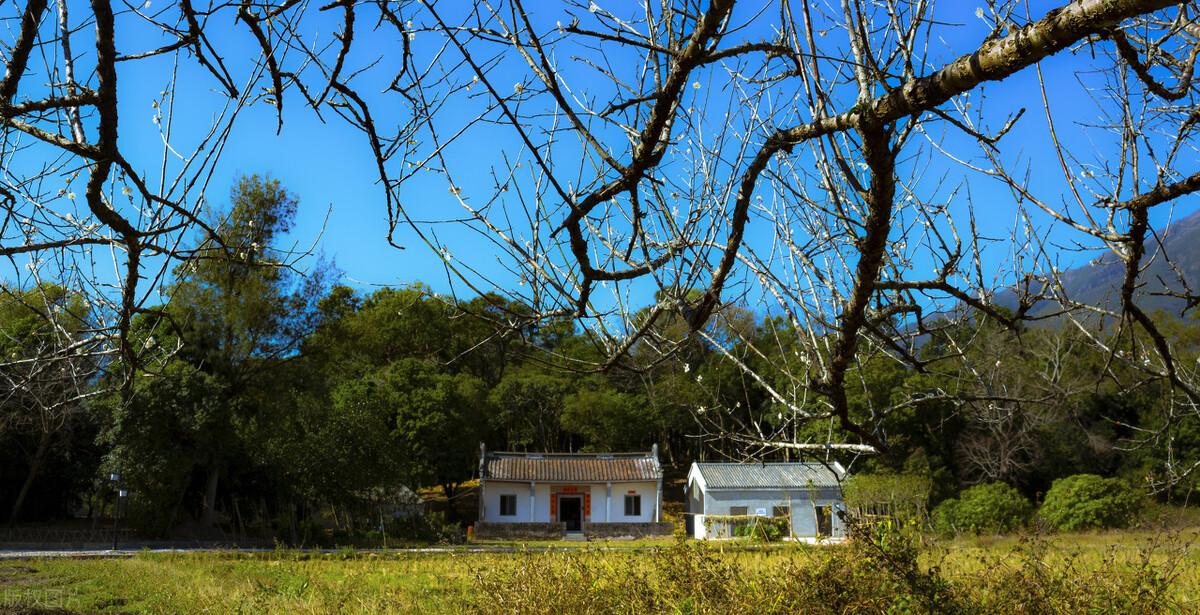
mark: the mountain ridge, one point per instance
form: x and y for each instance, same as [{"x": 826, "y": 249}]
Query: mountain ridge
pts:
[{"x": 1175, "y": 254}]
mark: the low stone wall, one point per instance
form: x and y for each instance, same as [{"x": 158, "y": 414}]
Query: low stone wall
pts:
[
  {"x": 517, "y": 531},
  {"x": 556, "y": 531},
  {"x": 627, "y": 530}
]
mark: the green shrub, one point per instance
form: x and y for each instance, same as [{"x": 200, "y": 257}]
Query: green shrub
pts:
[
  {"x": 1087, "y": 501},
  {"x": 429, "y": 527},
  {"x": 765, "y": 529},
  {"x": 944, "y": 517},
  {"x": 992, "y": 508},
  {"x": 901, "y": 496}
]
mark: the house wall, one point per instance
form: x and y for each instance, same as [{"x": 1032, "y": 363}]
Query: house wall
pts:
[
  {"x": 619, "y": 490},
  {"x": 541, "y": 511},
  {"x": 598, "y": 512},
  {"x": 492, "y": 490},
  {"x": 695, "y": 499},
  {"x": 801, "y": 501}
]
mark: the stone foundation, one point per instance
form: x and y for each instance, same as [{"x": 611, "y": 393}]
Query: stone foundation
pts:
[
  {"x": 557, "y": 531},
  {"x": 627, "y": 530},
  {"x": 520, "y": 531}
]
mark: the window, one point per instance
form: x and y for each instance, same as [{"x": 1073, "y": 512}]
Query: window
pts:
[
  {"x": 781, "y": 511},
  {"x": 633, "y": 506},
  {"x": 738, "y": 511},
  {"x": 508, "y": 505}
]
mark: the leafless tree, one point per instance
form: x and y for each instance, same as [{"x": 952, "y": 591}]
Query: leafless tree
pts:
[
  {"x": 82, "y": 204},
  {"x": 1005, "y": 408},
  {"x": 817, "y": 156},
  {"x": 719, "y": 153},
  {"x": 47, "y": 372}
]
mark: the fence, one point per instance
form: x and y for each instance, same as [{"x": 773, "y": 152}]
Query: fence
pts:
[
  {"x": 872, "y": 513},
  {"x": 734, "y": 526}
]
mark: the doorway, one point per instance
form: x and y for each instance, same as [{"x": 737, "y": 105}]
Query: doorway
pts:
[
  {"x": 824, "y": 521},
  {"x": 570, "y": 511}
]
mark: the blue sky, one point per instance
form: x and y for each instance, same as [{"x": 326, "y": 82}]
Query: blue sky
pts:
[{"x": 329, "y": 165}]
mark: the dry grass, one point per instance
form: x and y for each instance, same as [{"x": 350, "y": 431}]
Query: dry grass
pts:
[{"x": 1146, "y": 572}]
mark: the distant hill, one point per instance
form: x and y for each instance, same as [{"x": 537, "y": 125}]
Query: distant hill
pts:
[{"x": 1098, "y": 282}]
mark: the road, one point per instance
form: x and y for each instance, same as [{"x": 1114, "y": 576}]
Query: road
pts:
[{"x": 84, "y": 553}]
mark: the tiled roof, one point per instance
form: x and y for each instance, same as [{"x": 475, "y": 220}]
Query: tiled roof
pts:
[
  {"x": 571, "y": 467},
  {"x": 769, "y": 475}
]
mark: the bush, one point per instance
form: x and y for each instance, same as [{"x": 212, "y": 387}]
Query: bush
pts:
[
  {"x": 993, "y": 508},
  {"x": 1037, "y": 577},
  {"x": 881, "y": 570},
  {"x": 429, "y": 527},
  {"x": 765, "y": 529},
  {"x": 901, "y": 496},
  {"x": 1169, "y": 517},
  {"x": 1087, "y": 501},
  {"x": 698, "y": 578}
]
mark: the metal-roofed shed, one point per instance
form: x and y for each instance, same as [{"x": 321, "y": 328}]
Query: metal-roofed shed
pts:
[
  {"x": 770, "y": 475},
  {"x": 723, "y": 496}
]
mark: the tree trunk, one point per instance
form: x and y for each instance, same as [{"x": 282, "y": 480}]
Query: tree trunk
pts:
[
  {"x": 169, "y": 528},
  {"x": 266, "y": 521},
  {"x": 34, "y": 465},
  {"x": 293, "y": 526},
  {"x": 238, "y": 528},
  {"x": 451, "y": 508},
  {"x": 209, "y": 514}
]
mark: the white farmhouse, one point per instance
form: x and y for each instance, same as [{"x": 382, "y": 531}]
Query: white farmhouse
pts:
[
  {"x": 554, "y": 495},
  {"x": 723, "y": 496}
]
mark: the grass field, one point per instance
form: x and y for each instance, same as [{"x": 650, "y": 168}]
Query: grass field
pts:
[{"x": 659, "y": 578}]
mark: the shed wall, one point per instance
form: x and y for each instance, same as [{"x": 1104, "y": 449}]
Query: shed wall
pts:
[{"x": 803, "y": 503}]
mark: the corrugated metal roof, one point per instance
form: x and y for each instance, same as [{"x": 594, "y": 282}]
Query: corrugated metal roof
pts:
[
  {"x": 567, "y": 467},
  {"x": 767, "y": 476}
]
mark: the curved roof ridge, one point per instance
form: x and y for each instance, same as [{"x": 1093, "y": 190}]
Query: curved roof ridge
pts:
[
  {"x": 583, "y": 468},
  {"x": 535, "y": 454}
]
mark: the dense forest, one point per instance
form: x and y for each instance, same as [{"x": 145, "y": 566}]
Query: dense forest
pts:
[{"x": 266, "y": 395}]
